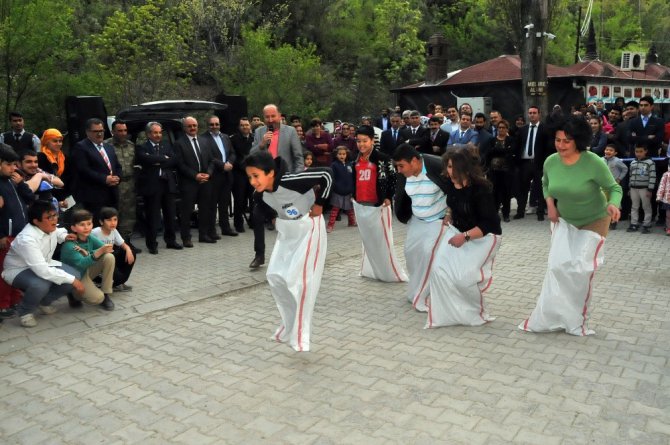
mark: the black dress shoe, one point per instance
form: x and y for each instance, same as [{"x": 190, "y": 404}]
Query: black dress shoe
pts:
[
  {"x": 540, "y": 217},
  {"x": 215, "y": 236},
  {"x": 175, "y": 246},
  {"x": 506, "y": 218},
  {"x": 257, "y": 262},
  {"x": 229, "y": 232},
  {"x": 519, "y": 216},
  {"x": 187, "y": 243},
  {"x": 206, "y": 239},
  {"x": 73, "y": 302},
  {"x": 270, "y": 226},
  {"x": 107, "y": 304},
  {"x": 239, "y": 229}
]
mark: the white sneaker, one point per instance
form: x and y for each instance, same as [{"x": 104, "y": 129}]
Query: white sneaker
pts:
[
  {"x": 28, "y": 321},
  {"x": 48, "y": 310},
  {"x": 531, "y": 210}
]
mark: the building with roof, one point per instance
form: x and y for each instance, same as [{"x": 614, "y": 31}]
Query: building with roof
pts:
[{"x": 500, "y": 79}]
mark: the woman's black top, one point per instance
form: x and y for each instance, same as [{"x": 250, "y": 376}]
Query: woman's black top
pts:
[{"x": 473, "y": 206}]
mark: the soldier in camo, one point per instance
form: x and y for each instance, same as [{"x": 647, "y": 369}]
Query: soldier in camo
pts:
[{"x": 125, "y": 152}]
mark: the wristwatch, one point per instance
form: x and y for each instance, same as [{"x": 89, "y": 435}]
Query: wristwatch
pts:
[{"x": 467, "y": 236}]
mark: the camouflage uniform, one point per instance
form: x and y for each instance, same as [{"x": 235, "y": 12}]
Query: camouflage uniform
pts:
[{"x": 125, "y": 152}]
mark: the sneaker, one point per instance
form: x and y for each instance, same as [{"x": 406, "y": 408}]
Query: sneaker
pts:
[
  {"x": 28, "y": 321},
  {"x": 122, "y": 288},
  {"x": 632, "y": 228},
  {"x": 646, "y": 230},
  {"x": 329, "y": 229},
  {"x": 107, "y": 304},
  {"x": 48, "y": 310}
]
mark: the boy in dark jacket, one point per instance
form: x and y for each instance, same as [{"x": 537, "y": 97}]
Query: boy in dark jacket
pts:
[{"x": 343, "y": 187}]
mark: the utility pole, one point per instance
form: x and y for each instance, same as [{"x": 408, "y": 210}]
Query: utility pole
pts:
[{"x": 533, "y": 61}]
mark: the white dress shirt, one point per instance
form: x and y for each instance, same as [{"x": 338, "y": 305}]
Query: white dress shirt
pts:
[{"x": 33, "y": 249}]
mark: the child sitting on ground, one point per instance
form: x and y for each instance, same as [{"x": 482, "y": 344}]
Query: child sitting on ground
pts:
[
  {"x": 91, "y": 257},
  {"x": 125, "y": 258}
]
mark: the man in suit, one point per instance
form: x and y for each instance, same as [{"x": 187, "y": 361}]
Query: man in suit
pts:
[
  {"x": 221, "y": 179},
  {"x": 242, "y": 190},
  {"x": 279, "y": 140},
  {"x": 646, "y": 129},
  {"x": 438, "y": 138},
  {"x": 97, "y": 170},
  {"x": 483, "y": 136},
  {"x": 193, "y": 160},
  {"x": 383, "y": 121},
  {"x": 18, "y": 138},
  {"x": 391, "y": 138},
  {"x": 465, "y": 135},
  {"x": 157, "y": 183},
  {"x": 533, "y": 145},
  {"x": 415, "y": 134}
]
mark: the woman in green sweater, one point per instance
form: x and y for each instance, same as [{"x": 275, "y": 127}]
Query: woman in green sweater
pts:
[
  {"x": 578, "y": 186},
  {"x": 580, "y": 190}
]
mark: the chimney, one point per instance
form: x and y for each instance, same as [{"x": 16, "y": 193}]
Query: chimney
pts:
[
  {"x": 591, "y": 49},
  {"x": 436, "y": 58}
]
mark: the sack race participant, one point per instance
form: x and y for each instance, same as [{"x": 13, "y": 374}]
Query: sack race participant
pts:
[
  {"x": 579, "y": 180},
  {"x": 464, "y": 267},
  {"x": 374, "y": 186},
  {"x": 296, "y": 265},
  {"x": 420, "y": 202},
  {"x": 380, "y": 261}
]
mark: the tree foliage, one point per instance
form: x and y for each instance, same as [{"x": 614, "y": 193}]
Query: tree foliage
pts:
[{"x": 333, "y": 58}]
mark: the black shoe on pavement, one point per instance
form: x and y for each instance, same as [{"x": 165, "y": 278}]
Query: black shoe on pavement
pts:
[
  {"x": 519, "y": 216},
  {"x": 540, "y": 217},
  {"x": 214, "y": 236},
  {"x": 73, "y": 302},
  {"x": 270, "y": 226},
  {"x": 187, "y": 243},
  {"x": 175, "y": 245},
  {"x": 152, "y": 250},
  {"x": 239, "y": 229},
  {"x": 645, "y": 230},
  {"x": 632, "y": 228},
  {"x": 229, "y": 232},
  {"x": 506, "y": 218},
  {"x": 107, "y": 304},
  {"x": 206, "y": 239},
  {"x": 8, "y": 312},
  {"x": 257, "y": 262}
]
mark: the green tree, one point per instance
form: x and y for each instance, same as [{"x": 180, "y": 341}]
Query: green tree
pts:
[
  {"x": 34, "y": 36},
  {"x": 143, "y": 53},
  {"x": 289, "y": 76}
]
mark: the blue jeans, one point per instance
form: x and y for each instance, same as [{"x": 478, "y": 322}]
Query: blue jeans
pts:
[{"x": 40, "y": 292}]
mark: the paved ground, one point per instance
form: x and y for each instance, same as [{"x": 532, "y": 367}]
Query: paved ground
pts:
[{"x": 186, "y": 358}]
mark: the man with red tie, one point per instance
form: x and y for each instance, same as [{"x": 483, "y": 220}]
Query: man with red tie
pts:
[
  {"x": 97, "y": 171},
  {"x": 279, "y": 140}
]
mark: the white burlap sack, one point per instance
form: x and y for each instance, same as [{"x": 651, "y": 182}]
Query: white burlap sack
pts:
[
  {"x": 420, "y": 246},
  {"x": 564, "y": 301},
  {"x": 459, "y": 278},
  {"x": 294, "y": 275},
  {"x": 380, "y": 261}
]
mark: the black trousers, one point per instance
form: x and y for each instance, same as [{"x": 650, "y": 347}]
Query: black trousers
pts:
[
  {"x": 122, "y": 269},
  {"x": 192, "y": 194},
  {"x": 221, "y": 185},
  {"x": 242, "y": 192},
  {"x": 528, "y": 175},
  {"x": 259, "y": 214},
  {"x": 154, "y": 204},
  {"x": 502, "y": 189}
]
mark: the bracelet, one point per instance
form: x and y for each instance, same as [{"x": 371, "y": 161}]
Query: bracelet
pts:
[{"x": 467, "y": 236}]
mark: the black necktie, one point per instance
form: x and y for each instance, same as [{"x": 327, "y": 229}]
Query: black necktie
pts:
[
  {"x": 17, "y": 136},
  {"x": 413, "y": 131},
  {"x": 529, "y": 148},
  {"x": 395, "y": 135}
]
